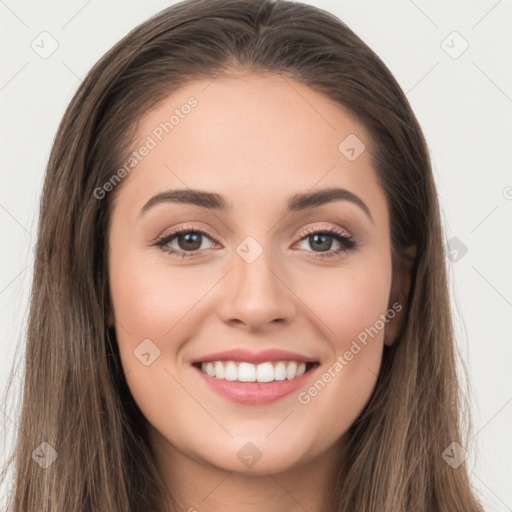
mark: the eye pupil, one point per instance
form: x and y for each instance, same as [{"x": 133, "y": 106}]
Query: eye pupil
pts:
[
  {"x": 322, "y": 245},
  {"x": 194, "y": 238}
]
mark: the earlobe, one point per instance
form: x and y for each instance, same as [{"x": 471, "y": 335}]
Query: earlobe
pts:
[{"x": 399, "y": 292}]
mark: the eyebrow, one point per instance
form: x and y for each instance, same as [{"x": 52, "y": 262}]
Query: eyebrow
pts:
[{"x": 214, "y": 201}]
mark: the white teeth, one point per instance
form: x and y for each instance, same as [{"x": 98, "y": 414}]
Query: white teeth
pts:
[
  {"x": 248, "y": 372},
  {"x": 231, "y": 371},
  {"x": 264, "y": 372},
  {"x": 291, "y": 370},
  {"x": 210, "y": 370},
  {"x": 219, "y": 370},
  {"x": 280, "y": 371}
]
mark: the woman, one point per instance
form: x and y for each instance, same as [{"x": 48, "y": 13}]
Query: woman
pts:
[{"x": 191, "y": 344}]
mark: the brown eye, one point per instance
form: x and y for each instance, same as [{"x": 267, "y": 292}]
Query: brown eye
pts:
[
  {"x": 321, "y": 241},
  {"x": 189, "y": 242}
]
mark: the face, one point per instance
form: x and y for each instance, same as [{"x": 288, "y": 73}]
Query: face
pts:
[{"x": 277, "y": 281}]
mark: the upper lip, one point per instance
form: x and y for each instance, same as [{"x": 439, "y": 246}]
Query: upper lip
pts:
[{"x": 241, "y": 354}]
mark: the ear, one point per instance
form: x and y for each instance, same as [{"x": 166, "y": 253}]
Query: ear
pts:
[{"x": 399, "y": 292}]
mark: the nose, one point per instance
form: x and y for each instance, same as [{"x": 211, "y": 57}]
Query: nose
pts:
[{"x": 258, "y": 294}]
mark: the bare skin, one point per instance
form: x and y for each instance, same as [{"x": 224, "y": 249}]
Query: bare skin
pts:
[{"x": 257, "y": 141}]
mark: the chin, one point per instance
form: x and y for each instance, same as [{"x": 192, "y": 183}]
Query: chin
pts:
[{"x": 248, "y": 457}]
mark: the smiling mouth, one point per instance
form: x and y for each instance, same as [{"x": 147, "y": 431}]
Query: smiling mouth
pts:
[{"x": 241, "y": 371}]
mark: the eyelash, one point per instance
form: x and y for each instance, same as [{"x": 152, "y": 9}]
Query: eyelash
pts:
[{"x": 346, "y": 242}]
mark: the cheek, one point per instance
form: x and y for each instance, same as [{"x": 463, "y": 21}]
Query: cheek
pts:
[
  {"x": 157, "y": 309},
  {"x": 152, "y": 308},
  {"x": 350, "y": 313},
  {"x": 349, "y": 301},
  {"x": 151, "y": 299}
]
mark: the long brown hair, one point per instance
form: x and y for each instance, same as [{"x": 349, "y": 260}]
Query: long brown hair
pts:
[{"x": 75, "y": 395}]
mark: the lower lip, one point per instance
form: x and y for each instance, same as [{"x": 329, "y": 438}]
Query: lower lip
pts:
[{"x": 254, "y": 393}]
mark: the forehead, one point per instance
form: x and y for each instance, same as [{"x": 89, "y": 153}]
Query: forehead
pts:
[{"x": 249, "y": 135}]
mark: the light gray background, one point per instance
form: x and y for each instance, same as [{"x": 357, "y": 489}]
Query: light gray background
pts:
[{"x": 464, "y": 106}]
